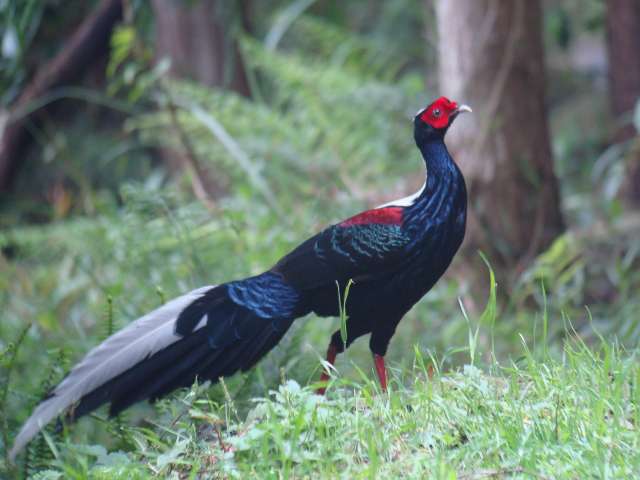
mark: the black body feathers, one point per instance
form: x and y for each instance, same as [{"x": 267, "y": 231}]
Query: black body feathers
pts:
[{"x": 394, "y": 253}]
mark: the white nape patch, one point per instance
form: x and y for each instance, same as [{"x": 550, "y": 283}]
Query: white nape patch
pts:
[
  {"x": 419, "y": 112},
  {"x": 406, "y": 201}
]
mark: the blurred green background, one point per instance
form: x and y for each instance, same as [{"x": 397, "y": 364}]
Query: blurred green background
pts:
[{"x": 149, "y": 148}]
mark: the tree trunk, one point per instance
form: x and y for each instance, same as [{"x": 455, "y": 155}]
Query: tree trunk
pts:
[
  {"x": 623, "y": 45},
  {"x": 198, "y": 38},
  {"x": 491, "y": 57}
]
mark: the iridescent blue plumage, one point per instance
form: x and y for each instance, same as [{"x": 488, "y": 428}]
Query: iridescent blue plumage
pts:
[{"x": 267, "y": 295}]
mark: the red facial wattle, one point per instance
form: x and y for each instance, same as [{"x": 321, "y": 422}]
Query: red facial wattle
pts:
[{"x": 439, "y": 113}]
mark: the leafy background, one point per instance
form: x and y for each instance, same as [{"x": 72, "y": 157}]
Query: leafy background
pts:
[{"x": 329, "y": 134}]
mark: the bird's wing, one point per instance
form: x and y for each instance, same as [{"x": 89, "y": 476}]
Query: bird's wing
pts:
[{"x": 363, "y": 246}]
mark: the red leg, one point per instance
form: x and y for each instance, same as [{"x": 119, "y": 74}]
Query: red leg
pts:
[
  {"x": 378, "y": 360},
  {"x": 331, "y": 358}
]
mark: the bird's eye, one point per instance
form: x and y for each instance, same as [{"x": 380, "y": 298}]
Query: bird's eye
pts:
[{"x": 436, "y": 112}]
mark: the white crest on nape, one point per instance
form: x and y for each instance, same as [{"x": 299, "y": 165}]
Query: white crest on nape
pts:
[{"x": 405, "y": 201}]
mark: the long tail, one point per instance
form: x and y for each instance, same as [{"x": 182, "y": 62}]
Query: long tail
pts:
[{"x": 208, "y": 333}]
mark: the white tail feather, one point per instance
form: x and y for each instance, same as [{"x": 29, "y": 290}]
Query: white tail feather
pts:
[{"x": 143, "y": 337}]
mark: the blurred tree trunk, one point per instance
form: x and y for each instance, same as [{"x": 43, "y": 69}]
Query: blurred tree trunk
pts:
[
  {"x": 198, "y": 38},
  {"x": 623, "y": 45},
  {"x": 491, "y": 57}
]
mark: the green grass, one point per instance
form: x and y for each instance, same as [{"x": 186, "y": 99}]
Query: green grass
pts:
[
  {"x": 515, "y": 393},
  {"x": 574, "y": 416}
]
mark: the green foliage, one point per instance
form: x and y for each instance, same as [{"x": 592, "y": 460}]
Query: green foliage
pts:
[
  {"x": 7, "y": 360},
  {"x": 320, "y": 122},
  {"x": 565, "y": 20},
  {"x": 328, "y": 132},
  {"x": 19, "y": 22},
  {"x": 544, "y": 418},
  {"x": 488, "y": 317},
  {"x": 329, "y": 44},
  {"x": 41, "y": 451},
  {"x": 342, "y": 308},
  {"x": 122, "y": 45},
  {"x": 68, "y": 273}
]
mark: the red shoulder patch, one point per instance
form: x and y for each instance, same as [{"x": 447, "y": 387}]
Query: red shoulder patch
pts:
[{"x": 385, "y": 216}]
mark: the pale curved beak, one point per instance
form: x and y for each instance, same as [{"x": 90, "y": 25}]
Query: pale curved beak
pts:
[{"x": 464, "y": 108}]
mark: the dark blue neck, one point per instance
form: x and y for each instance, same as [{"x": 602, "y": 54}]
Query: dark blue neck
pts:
[
  {"x": 440, "y": 165},
  {"x": 444, "y": 183}
]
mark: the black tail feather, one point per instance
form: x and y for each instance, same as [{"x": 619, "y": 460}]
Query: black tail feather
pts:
[
  {"x": 269, "y": 341},
  {"x": 178, "y": 372},
  {"x": 117, "y": 389},
  {"x": 233, "y": 340},
  {"x": 192, "y": 314}
]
